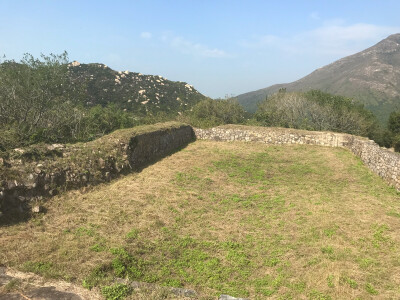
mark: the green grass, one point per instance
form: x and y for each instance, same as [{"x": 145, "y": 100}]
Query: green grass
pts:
[{"x": 248, "y": 220}]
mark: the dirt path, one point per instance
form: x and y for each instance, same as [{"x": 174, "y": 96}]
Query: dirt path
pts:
[{"x": 16, "y": 285}]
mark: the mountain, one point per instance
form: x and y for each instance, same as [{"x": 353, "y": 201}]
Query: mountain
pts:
[
  {"x": 371, "y": 76},
  {"x": 133, "y": 91}
]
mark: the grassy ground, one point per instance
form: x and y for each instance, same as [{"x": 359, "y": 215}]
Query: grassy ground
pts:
[{"x": 286, "y": 222}]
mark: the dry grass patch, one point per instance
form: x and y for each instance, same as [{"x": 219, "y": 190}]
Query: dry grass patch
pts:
[{"x": 290, "y": 222}]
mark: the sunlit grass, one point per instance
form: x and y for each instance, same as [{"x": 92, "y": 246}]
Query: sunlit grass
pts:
[{"x": 248, "y": 220}]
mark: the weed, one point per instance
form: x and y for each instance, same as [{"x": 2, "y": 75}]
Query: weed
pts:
[
  {"x": 45, "y": 269},
  {"x": 96, "y": 276},
  {"x": 347, "y": 280},
  {"x": 116, "y": 291},
  {"x": 331, "y": 231},
  {"x": 82, "y": 231},
  {"x": 379, "y": 236},
  {"x": 393, "y": 213},
  {"x": 317, "y": 295},
  {"x": 365, "y": 263},
  {"x": 125, "y": 265},
  {"x": 330, "y": 280},
  {"x": 264, "y": 286},
  {"x": 98, "y": 247},
  {"x": 133, "y": 234},
  {"x": 272, "y": 261},
  {"x": 327, "y": 250},
  {"x": 12, "y": 285},
  {"x": 370, "y": 289}
]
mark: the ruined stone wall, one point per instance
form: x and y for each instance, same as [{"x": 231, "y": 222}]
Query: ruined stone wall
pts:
[
  {"x": 380, "y": 160},
  {"x": 30, "y": 174}
]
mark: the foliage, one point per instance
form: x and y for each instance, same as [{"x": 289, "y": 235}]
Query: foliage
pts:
[
  {"x": 316, "y": 110},
  {"x": 136, "y": 93},
  {"x": 116, "y": 291},
  {"x": 37, "y": 97},
  {"x": 209, "y": 113},
  {"x": 102, "y": 120},
  {"x": 41, "y": 102},
  {"x": 394, "y": 122},
  {"x": 393, "y": 133},
  {"x": 396, "y": 143}
]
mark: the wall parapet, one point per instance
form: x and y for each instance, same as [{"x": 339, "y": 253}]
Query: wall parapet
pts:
[{"x": 380, "y": 160}]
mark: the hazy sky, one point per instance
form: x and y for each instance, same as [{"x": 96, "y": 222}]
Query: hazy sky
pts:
[{"x": 220, "y": 46}]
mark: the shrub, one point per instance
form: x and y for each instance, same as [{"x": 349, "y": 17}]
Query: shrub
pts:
[
  {"x": 315, "y": 110},
  {"x": 209, "y": 113}
]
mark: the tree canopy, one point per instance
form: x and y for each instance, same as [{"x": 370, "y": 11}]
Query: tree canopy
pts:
[{"x": 316, "y": 110}]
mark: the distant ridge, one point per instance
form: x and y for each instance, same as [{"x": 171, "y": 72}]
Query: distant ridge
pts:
[
  {"x": 134, "y": 91},
  {"x": 371, "y": 76}
]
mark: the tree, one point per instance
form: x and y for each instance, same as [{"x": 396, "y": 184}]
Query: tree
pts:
[
  {"x": 315, "y": 110},
  {"x": 38, "y": 98},
  {"x": 394, "y": 122},
  {"x": 394, "y": 130},
  {"x": 208, "y": 113}
]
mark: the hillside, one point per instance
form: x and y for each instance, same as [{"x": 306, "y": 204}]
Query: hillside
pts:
[
  {"x": 134, "y": 91},
  {"x": 244, "y": 219},
  {"x": 371, "y": 76}
]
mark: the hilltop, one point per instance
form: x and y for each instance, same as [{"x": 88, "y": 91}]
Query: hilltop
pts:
[
  {"x": 243, "y": 219},
  {"x": 371, "y": 76},
  {"x": 133, "y": 91}
]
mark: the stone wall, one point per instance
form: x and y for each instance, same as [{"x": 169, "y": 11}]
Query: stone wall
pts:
[
  {"x": 30, "y": 174},
  {"x": 380, "y": 160}
]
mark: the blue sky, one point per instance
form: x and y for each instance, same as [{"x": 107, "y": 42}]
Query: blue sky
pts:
[{"x": 219, "y": 46}]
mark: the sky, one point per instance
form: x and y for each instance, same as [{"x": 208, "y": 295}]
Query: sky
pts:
[{"x": 222, "y": 47}]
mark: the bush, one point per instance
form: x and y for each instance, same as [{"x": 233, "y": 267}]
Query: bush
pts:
[
  {"x": 37, "y": 100},
  {"x": 394, "y": 122},
  {"x": 209, "y": 113},
  {"x": 396, "y": 143},
  {"x": 116, "y": 291},
  {"x": 315, "y": 110}
]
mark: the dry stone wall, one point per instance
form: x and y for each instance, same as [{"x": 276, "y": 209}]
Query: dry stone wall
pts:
[
  {"x": 31, "y": 174},
  {"x": 380, "y": 160}
]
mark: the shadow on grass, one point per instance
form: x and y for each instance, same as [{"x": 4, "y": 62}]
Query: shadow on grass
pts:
[{"x": 13, "y": 210}]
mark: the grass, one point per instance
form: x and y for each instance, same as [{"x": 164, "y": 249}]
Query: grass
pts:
[{"x": 248, "y": 220}]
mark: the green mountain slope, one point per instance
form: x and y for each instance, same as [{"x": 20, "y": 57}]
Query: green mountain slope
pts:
[
  {"x": 371, "y": 76},
  {"x": 134, "y": 91}
]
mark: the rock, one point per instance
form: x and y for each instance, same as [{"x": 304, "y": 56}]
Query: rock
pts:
[
  {"x": 38, "y": 168},
  {"x": 107, "y": 176},
  {"x": 55, "y": 146},
  {"x": 21, "y": 151},
  {"x": 12, "y": 184},
  {"x": 53, "y": 192},
  {"x": 184, "y": 292},
  {"x": 37, "y": 209},
  {"x": 227, "y": 297},
  {"x": 50, "y": 292},
  {"x": 30, "y": 181},
  {"x": 101, "y": 163}
]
